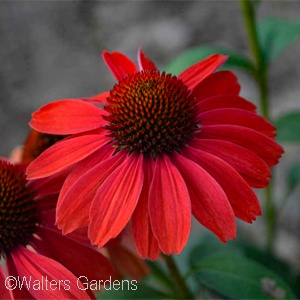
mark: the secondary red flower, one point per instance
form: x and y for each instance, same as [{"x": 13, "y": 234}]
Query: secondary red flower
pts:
[
  {"x": 41, "y": 262},
  {"x": 120, "y": 251},
  {"x": 164, "y": 148}
]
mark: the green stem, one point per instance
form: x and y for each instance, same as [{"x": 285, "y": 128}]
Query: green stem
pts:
[
  {"x": 179, "y": 280},
  {"x": 259, "y": 58},
  {"x": 271, "y": 218},
  {"x": 261, "y": 78},
  {"x": 249, "y": 18}
]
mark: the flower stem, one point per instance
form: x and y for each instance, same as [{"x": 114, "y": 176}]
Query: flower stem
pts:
[
  {"x": 179, "y": 281},
  {"x": 260, "y": 75},
  {"x": 258, "y": 55}
]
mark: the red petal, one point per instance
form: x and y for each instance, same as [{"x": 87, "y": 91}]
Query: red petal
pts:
[
  {"x": 81, "y": 260},
  {"x": 144, "y": 62},
  {"x": 119, "y": 64},
  {"x": 79, "y": 235},
  {"x": 219, "y": 83},
  {"x": 85, "y": 165},
  {"x": 116, "y": 200},
  {"x": 239, "y": 117},
  {"x": 50, "y": 185},
  {"x": 100, "y": 99},
  {"x": 261, "y": 145},
  {"x": 225, "y": 101},
  {"x": 20, "y": 291},
  {"x": 63, "y": 154},
  {"x": 74, "y": 203},
  {"x": 169, "y": 207},
  {"x": 41, "y": 247},
  {"x": 5, "y": 283},
  {"x": 127, "y": 263},
  {"x": 47, "y": 202},
  {"x": 67, "y": 117},
  {"x": 37, "y": 268},
  {"x": 197, "y": 72},
  {"x": 145, "y": 241},
  {"x": 242, "y": 199},
  {"x": 210, "y": 205},
  {"x": 252, "y": 168}
]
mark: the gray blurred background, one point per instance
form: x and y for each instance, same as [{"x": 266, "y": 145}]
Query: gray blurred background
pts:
[{"x": 52, "y": 50}]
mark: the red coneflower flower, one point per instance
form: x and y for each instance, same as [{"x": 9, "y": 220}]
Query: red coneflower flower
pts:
[
  {"x": 162, "y": 149},
  {"x": 40, "y": 261}
]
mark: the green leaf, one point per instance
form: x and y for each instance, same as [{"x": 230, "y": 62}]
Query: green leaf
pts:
[
  {"x": 196, "y": 54},
  {"x": 294, "y": 175},
  {"x": 276, "y": 35},
  {"x": 210, "y": 245},
  {"x": 237, "y": 277},
  {"x": 271, "y": 262},
  {"x": 137, "y": 291},
  {"x": 263, "y": 257},
  {"x": 288, "y": 127}
]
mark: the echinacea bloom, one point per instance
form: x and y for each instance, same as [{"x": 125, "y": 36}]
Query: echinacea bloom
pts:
[
  {"x": 162, "y": 149},
  {"x": 40, "y": 261}
]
